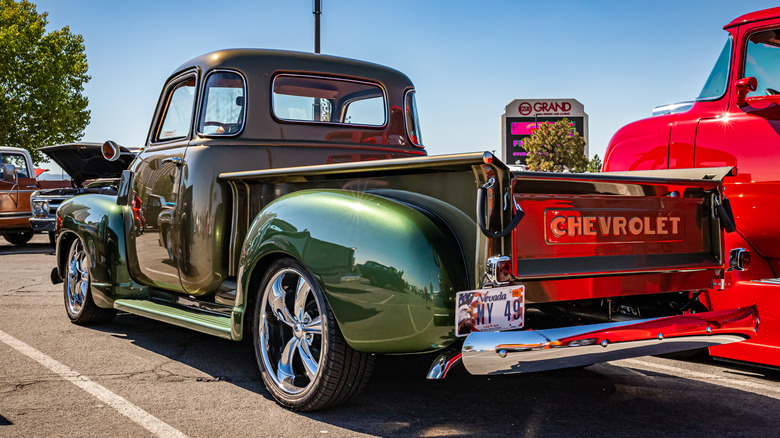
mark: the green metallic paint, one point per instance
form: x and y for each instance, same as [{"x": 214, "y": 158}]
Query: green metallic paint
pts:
[
  {"x": 388, "y": 272},
  {"x": 99, "y": 223}
]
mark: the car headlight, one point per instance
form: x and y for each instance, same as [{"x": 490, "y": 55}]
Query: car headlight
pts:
[{"x": 40, "y": 208}]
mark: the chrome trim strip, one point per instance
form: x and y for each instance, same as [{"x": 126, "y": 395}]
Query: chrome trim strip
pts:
[
  {"x": 15, "y": 215},
  {"x": 541, "y": 350}
]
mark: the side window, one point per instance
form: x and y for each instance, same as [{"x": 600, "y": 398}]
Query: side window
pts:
[
  {"x": 412, "y": 119},
  {"x": 300, "y": 98},
  {"x": 178, "y": 111},
  {"x": 762, "y": 61},
  {"x": 19, "y": 163},
  {"x": 223, "y": 104}
]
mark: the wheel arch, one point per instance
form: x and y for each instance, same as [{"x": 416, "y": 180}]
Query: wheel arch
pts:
[
  {"x": 98, "y": 221},
  {"x": 340, "y": 236}
]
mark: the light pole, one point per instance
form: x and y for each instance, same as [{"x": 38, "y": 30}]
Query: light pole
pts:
[{"x": 317, "y": 12}]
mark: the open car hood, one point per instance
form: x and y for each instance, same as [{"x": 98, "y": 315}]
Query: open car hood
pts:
[{"x": 84, "y": 161}]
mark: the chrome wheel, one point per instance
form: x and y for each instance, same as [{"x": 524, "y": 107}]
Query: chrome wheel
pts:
[
  {"x": 79, "y": 305},
  {"x": 304, "y": 360},
  {"x": 292, "y": 345},
  {"x": 77, "y": 279}
]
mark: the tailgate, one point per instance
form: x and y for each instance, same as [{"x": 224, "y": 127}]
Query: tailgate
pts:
[{"x": 655, "y": 233}]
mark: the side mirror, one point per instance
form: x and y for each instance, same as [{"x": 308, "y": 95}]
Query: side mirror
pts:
[
  {"x": 110, "y": 151},
  {"x": 9, "y": 173},
  {"x": 745, "y": 86}
]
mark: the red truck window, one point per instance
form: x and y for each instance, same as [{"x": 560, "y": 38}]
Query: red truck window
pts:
[
  {"x": 301, "y": 98},
  {"x": 762, "y": 61},
  {"x": 223, "y": 104}
]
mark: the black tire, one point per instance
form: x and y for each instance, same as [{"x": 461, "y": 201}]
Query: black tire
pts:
[
  {"x": 18, "y": 237},
  {"x": 321, "y": 370},
  {"x": 79, "y": 306},
  {"x": 52, "y": 239}
]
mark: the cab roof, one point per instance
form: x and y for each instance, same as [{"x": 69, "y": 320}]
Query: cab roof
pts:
[
  {"x": 750, "y": 17},
  {"x": 266, "y": 61}
]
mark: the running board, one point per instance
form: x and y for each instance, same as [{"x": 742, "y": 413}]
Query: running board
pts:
[{"x": 206, "y": 322}]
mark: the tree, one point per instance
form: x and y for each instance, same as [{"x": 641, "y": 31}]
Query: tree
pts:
[
  {"x": 556, "y": 147},
  {"x": 594, "y": 165},
  {"x": 42, "y": 77}
]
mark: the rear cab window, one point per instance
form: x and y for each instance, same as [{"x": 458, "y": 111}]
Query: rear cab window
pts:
[{"x": 315, "y": 99}]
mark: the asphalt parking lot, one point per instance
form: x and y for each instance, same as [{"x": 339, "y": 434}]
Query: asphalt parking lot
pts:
[{"x": 136, "y": 377}]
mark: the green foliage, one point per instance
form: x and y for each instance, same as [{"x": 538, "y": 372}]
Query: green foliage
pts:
[
  {"x": 594, "y": 165},
  {"x": 554, "y": 147},
  {"x": 42, "y": 77}
]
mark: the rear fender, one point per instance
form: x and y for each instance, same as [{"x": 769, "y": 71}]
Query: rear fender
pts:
[
  {"x": 98, "y": 221},
  {"x": 388, "y": 271}
]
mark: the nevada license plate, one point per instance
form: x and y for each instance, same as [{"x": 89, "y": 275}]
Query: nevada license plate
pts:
[{"x": 489, "y": 310}]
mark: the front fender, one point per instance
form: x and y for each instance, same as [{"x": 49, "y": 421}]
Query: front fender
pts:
[
  {"x": 98, "y": 221},
  {"x": 388, "y": 271}
]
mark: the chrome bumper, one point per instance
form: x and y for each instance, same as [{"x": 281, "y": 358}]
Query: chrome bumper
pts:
[{"x": 541, "y": 350}]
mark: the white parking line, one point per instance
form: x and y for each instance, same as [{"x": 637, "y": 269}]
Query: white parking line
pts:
[
  {"x": 714, "y": 379},
  {"x": 120, "y": 404}
]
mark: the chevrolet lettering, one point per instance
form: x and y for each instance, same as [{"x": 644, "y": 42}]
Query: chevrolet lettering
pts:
[{"x": 642, "y": 225}]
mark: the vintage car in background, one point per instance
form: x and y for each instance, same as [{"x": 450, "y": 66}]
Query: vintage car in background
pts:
[
  {"x": 90, "y": 173},
  {"x": 18, "y": 181},
  {"x": 302, "y": 212},
  {"x": 735, "y": 121}
]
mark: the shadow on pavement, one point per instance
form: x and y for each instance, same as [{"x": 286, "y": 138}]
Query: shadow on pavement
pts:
[{"x": 399, "y": 401}]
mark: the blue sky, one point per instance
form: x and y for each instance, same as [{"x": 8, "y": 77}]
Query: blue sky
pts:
[{"x": 468, "y": 59}]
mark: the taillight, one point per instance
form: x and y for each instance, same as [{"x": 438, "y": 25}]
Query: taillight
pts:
[{"x": 135, "y": 206}]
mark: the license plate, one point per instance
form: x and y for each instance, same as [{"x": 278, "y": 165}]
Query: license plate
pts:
[{"x": 490, "y": 310}]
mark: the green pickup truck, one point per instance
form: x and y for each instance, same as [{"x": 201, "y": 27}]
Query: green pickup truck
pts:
[{"x": 287, "y": 199}]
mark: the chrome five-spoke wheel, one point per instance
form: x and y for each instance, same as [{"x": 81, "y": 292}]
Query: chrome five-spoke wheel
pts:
[
  {"x": 300, "y": 351},
  {"x": 79, "y": 305},
  {"x": 76, "y": 279},
  {"x": 291, "y": 332}
]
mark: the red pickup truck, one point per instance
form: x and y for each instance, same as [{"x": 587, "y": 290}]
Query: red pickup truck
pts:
[{"x": 735, "y": 121}]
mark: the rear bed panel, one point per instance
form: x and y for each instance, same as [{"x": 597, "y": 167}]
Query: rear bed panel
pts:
[{"x": 637, "y": 236}]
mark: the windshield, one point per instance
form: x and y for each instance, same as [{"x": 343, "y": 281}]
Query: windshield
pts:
[{"x": 716, "y": 84}]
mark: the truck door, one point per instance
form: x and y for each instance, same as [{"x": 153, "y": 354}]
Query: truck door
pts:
[
  {"x": 748, "y": 137},
  {"x": 153, "y": 236}
]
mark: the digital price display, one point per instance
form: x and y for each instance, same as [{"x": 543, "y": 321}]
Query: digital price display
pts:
[{"x": 517, "y": 129}]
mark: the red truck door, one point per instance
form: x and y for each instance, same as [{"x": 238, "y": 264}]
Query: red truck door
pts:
[{"x": 748, "y": 137}]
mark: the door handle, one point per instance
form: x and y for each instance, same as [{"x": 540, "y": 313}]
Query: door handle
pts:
[{"x": 175, "y": 160}]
